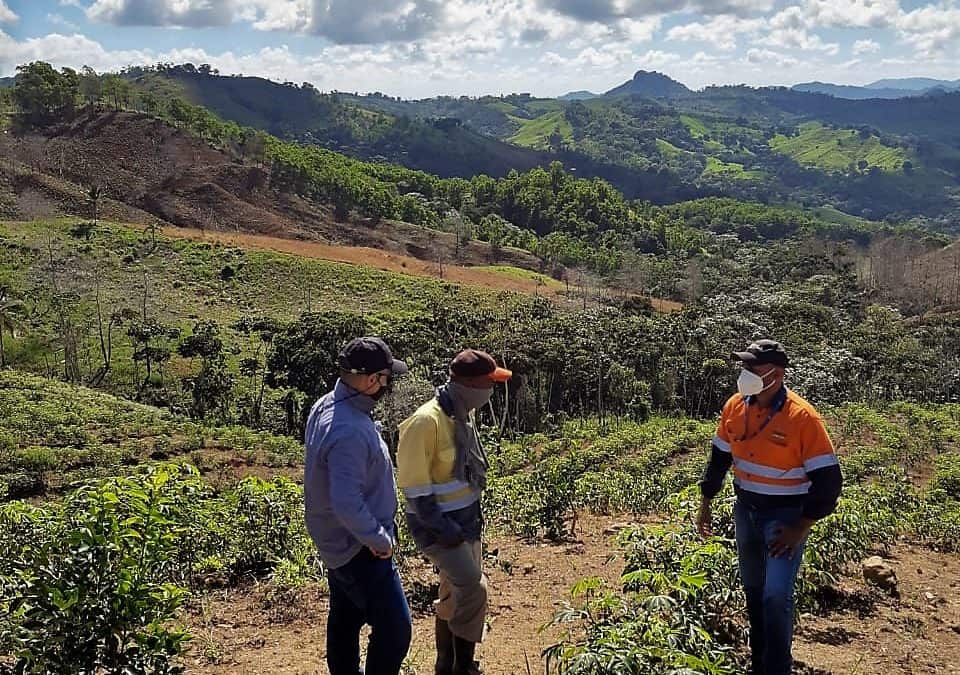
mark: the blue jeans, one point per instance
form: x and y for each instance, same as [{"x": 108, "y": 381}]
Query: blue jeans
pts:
[
  {"x": 769, "y": 585},
  {"x": 367, "y": 590}
]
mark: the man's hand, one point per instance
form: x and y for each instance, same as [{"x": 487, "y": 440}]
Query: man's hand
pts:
[
  {"x": 788, "y": 538},
  {"x": 704, "y": 518},
  {"x": 383, "y": 555}
]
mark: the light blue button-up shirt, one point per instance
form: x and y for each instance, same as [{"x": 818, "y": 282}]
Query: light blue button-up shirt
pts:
[{"x": 350, "y": 493}]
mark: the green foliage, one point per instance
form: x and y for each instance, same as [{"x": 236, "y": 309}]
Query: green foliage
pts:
[
  {"x": 305, "y": 352},
  {"x": 212, "y": 387},
  {"x": 549, "y": 131},
  {"x": 43, "y": 93},
  {"x": 678, "y": 597},
  {"x": 839, "y": 149},
  {"x": 97, "y": 580},
  {"x": 682, "y": 603},
  {"x": 92, "y": 593}
]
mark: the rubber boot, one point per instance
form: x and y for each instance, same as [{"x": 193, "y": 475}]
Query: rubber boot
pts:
[
  {"x": 464, "y": 663},
  {"x": 445, "y": 648}
]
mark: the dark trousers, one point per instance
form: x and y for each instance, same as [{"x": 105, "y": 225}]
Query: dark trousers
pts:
[
  {"x": 367, "y": 590},
  {"x": 769, "y": 585}
]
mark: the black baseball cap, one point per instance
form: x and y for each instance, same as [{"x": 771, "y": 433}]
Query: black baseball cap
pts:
[
  {"x": 368, "y": 355},
  {"x": 764, "y": 351}
]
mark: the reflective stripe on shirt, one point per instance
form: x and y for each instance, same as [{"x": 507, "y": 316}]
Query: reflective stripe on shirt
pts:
[
  {"x": 768, "y": 471},
  {"x": 767, "y": 489},
  {"x": 820, "y": 462},
  {"x": 438, "y": 489},
  {"x": 447, "y": 507}
]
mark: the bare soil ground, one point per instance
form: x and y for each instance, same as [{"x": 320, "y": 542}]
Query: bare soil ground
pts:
[{"x": 246, "y": 631}]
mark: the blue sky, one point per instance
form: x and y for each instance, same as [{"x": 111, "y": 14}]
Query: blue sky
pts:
[{"x": 417, "y": 48}]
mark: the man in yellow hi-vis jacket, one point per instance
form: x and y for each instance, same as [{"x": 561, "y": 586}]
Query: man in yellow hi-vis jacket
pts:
[{"x": 441, "y": 468}]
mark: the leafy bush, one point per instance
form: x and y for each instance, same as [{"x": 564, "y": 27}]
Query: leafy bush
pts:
[
  {"x": 678, "y": 595},
  {"x": 92, "y": 594},
  {"x": 97, "y": 580}
]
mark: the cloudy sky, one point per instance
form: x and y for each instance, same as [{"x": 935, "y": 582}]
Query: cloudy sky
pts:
[{"x": 417, "y": 48}]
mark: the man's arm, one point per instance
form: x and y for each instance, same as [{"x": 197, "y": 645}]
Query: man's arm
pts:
[
  {"x": 716, "y": 471},
  {"x": 348, "y": 471},
  {"x": 714, "y": 474}
]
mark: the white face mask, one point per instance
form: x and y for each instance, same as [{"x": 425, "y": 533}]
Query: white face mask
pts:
[{"x": 751, "y": 384}]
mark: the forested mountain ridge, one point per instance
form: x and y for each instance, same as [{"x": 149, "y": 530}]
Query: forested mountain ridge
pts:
[
  {"x": 225, "y": 347},
  {"x": 873, "y": 91},
  {"x": 893, "y": 159}
]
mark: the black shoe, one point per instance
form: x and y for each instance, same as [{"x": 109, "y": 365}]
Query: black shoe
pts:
[
  {"x": 445, "y": 648},
  {"x": 464, "y": 663}
]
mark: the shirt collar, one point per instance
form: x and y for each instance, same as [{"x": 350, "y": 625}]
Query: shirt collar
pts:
[{"x": 778, "y": 401}]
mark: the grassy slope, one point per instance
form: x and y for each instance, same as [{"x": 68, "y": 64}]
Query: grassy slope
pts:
[
  {"x": 536, "y": 133},
  {"x": 184, "y": 284},
  {"x": 517, "y": 273},
  {"x": 716, "y": 167},
  {"x": 53, "y": 434},
  {"x": 835, "y": 149},
  {"x": 696, "y": 126}
]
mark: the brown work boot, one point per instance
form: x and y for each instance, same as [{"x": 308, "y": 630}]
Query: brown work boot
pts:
[{"x": 445, "y": 648}]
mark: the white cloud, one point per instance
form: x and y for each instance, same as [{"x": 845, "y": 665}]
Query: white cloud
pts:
[
  {"x": 655, "y": 58},
  {"x": 640, "y": 30},
  {"x": 768, "y": 57},
  {"x": 6, "y": 14},
  {"x": 276, "y": 15},
  {"x": 793, "y": 18},
  {"x": 191, "y": 13},
  {"x": 555, "y": 60},
  {"x": 932, "y": 30},
  {"x": 720, "y": 31},
  {"x": 796, "y": 38},
  {"x": 604, "y": 57},
  {"x": 865, "y": 47},
  {"x": 62, "y": 21},
  {"x": 374, "y": 21},
  {"x": 851, "y": 13},
  {"x": 606, "y": 11}
]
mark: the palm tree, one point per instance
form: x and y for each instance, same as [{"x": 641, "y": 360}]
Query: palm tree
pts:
[{"x": 10, "y": 309}]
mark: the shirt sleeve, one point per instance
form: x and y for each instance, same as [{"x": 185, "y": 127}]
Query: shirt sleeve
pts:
[
  {"x": 415, "y": 453},
  {"x": 347, "y": 473},
  {"x": 823, "y": 470},
  {"x": 720, "y": 458},
  {"x": 721, "y": 439}
]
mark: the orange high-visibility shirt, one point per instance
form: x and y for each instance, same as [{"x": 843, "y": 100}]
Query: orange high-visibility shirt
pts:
[{"x": 774, "y": 448}]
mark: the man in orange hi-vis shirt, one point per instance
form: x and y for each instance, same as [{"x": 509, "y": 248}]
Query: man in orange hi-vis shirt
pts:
[{"x": 786, "y": 477}]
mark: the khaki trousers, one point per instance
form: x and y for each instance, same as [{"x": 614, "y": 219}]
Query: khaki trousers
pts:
[{"x": 462, "y": 599}]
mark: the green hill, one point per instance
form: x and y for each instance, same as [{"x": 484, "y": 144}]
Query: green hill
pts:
[
  {"x": 544, "y": 132},
  {"x": 840, "y": 149},
  {"x": 618, "y": 138}
]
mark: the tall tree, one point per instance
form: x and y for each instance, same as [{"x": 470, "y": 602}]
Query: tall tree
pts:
[
  {"x": 90, "y": 86},
  {"x": 43, "y": 93}
]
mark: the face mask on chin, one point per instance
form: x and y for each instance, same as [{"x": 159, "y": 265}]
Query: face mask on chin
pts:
[
  {"x": 382, "y": 391},
  {"x": 751, "y": 384}
]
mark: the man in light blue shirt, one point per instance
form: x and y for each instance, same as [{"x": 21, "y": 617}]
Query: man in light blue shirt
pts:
[{"x": 350, "y": 505}]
